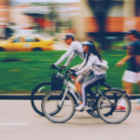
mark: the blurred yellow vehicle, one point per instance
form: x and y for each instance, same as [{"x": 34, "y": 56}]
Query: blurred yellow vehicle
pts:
[{"x": 26, "y": 43}]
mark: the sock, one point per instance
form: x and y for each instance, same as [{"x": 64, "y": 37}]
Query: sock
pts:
[{"x": 122, "y": 102}]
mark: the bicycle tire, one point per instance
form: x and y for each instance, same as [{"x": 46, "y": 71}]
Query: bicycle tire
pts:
[
  {"x": 102, "y": 116},
  {"x": 59, "y": 120},
  {"x": 94, "y": 113},
  {"x": 33, "y": 97},
  {"x": 54, "y": 112}
]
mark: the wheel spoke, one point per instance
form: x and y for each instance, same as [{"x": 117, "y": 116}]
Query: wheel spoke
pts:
[
  {"x": 52, "y": 109},
  {"x": 108, "y": 112},
  {"x": 38, "y": 94}
]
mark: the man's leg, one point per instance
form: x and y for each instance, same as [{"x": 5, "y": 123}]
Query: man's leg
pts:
[
  {"x": 128, "y": 87},
  {"x": 129, "y": 78},
  {"x": 138, "y": 100}
]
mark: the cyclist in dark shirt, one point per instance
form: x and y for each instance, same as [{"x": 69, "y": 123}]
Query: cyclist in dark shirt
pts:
[{"x": 132, "y": 73}]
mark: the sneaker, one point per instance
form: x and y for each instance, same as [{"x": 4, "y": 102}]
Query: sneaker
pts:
[
  {"x": 87, "y": 108},
  {"x": 120, "y": 107},
  {"x": 80, "y": 107},
  {"x": 138, "y": 108}
]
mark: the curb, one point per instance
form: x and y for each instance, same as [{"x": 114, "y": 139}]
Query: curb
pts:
[{"x": 40, "y": 97}]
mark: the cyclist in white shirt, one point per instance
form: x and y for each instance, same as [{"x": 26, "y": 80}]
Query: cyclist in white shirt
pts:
[
  {"x": 92, "y": 62},
  {"x": 75, "y": 49}
]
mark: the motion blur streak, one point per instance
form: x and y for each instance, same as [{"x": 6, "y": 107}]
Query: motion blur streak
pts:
[{"x": 103, "y": 21}]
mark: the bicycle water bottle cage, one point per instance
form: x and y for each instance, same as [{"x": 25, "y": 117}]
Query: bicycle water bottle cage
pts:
[{"x": 57, "y": 82}]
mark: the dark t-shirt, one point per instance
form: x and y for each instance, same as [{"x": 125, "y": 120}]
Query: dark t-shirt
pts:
[{"x": 135, "y": 50}]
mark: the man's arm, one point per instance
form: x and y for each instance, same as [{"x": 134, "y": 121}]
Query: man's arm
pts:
[
  {"x": 71, "y": 57},
  {"x": 64, "y": 56},
  {"x": 137, "y": 58},
  {"x": 126, "y": 58},
  {"x": 82, "y": 65}
]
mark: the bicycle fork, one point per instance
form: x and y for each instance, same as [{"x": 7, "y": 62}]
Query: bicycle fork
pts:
[
  {"x": 71, "y": 89},
  {"x": 64, "y": 95}
]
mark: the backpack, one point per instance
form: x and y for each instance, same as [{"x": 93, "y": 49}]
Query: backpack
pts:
[{"x": 103, "y": 65}]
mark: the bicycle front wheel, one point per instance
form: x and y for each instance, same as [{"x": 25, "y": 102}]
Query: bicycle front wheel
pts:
[
  {"x": 107, "y": 103},
  {"x": 37, "y": 96},
  {"x": 52, "y": 103}
]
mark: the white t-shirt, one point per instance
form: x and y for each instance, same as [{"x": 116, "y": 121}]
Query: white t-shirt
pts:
[
  {"x": 75, "y": 49},
  {"x": 94, "y": 64}
]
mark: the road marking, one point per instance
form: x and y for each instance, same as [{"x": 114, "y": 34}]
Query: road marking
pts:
[{"x": 16, "y": 124}]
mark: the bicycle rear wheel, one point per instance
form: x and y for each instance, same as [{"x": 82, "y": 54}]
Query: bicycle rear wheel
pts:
[
  {"x": 37, "y": 96},
  {"x": 107, "y": 103},
  {"x": 51, "y": 103},
  {"x": 93, "y": 103}
]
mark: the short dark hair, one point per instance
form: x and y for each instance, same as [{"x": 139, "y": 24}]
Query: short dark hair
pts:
[
  {"x": 69, "y": 35},
  {"x": 93, "y": 50},
  {"x": 134, "y": 32}
]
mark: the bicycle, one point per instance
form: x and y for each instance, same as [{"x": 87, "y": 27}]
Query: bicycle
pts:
[
  {"x": 41, "y": 89},
  {"x": 58, "y": 102}
]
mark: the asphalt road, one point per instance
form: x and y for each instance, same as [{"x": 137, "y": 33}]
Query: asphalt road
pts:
[{"x": 18, "y": 121}]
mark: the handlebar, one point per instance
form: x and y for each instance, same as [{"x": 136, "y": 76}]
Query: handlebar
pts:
[
  {"x": 61, "y": 68},
  {"x": 68, "y": 71},
  {"x": 57, "y": 68}
]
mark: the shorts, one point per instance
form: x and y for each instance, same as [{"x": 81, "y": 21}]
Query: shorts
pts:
[{"x": 131, "y": 77}]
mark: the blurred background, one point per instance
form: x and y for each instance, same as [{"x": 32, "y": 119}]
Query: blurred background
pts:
[{"x": 25, "y": 23}]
